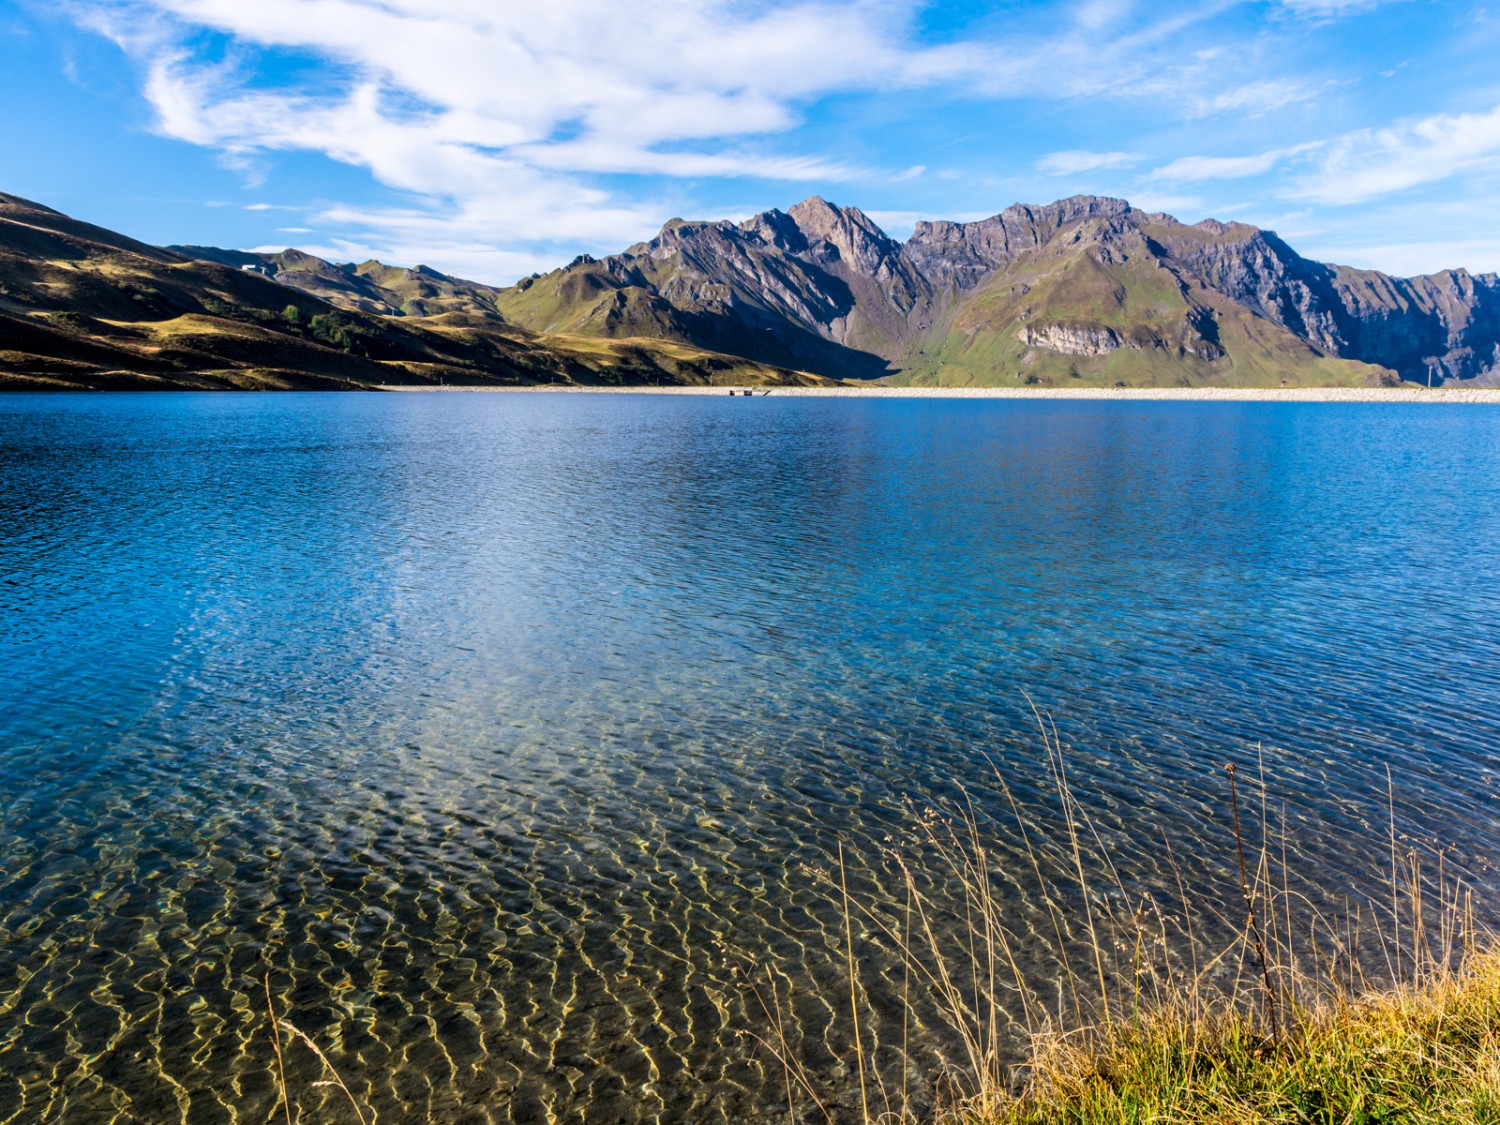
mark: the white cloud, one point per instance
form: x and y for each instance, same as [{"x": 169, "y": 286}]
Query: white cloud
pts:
[
  {"x": 1371, "y": 163},
  {"x": 498, "y": 119},
  {"x": 582, "y": 85},
  {"x": 1255, "y": 99},
  {"x": 1108, "y": 48},
  {"x": 1196, "y": 169},
  {"x": 1074, "y": 161},
  {"x": 1362, "y": 165}
]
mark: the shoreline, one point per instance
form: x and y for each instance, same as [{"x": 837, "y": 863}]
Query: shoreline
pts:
[{"x": 1433, "y": 395}]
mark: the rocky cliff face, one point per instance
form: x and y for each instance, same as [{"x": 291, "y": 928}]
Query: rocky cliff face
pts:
[
  {"x": 1093, "y": 339},
  {"x": 822, "y": 287}
]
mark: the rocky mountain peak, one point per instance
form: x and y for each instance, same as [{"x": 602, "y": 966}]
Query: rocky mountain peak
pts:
[
  {"x": 1093, "y": 206},
  {"x": 677, "y": 236},
  {"x": 961, "y": 255},
  {"x": 1074, "y": 209},
  {"x": 776, "y": 228},
  {"x": 862, "y": 245}
]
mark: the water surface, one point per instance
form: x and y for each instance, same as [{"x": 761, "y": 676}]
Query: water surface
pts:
[{"x": 495, "y": 729}]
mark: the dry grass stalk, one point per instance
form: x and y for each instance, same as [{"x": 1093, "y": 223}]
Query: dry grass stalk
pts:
[
  {"x": 1257, "y": 1028},
  {"x": 293, "y": 1030},
  {"x": 286, "y": 1104}
]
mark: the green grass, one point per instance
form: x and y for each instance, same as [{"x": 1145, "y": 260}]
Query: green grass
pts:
[{"x": 1422, "y": 1052}]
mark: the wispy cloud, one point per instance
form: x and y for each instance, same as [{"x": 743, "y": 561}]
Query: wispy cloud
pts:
[
  {"x": 510, "y": 131},
  {"x": 1196, "y": 169},
  {"x": 1074, "y": 161},
  {"x": 1255, "y": 99},
  {"x": 499, "y": 119},
  {"x": 1329, "y": 9},
  {"x": 1370, "y": 163}
]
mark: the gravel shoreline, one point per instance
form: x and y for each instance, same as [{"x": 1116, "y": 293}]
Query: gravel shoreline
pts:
[{"x": 1124, "y": 394}]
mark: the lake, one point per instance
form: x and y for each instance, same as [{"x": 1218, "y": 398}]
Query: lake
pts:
[{"x": 497, "y": 731}]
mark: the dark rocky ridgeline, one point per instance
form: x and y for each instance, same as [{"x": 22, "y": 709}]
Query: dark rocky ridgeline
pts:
[
  {"x": 1445, "y": 326},
  {"x": 771, "y": 289},
  {"x": 1086, "y": 288}
]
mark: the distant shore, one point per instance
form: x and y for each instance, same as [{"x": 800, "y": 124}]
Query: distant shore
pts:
[{"x": 1126, "y": 394}]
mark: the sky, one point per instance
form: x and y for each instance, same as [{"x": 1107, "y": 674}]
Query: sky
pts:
[{"x": 495, "y": 138}]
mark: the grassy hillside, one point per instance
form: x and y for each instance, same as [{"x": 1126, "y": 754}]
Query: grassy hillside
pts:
[
  {"x": 371, "y": 287},
  {"x": 82, "y": 307},
  {"x": 1159, "y": 327}
]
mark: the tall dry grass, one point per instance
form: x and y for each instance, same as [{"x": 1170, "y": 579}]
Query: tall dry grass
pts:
[{"x": 1278, "y": 1010}]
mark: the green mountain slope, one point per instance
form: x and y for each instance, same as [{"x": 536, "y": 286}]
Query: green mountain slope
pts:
[{"x": 1102, "y": 308}]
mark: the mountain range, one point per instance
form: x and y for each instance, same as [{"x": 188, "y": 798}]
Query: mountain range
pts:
[{"x": 1086, "y": 291}]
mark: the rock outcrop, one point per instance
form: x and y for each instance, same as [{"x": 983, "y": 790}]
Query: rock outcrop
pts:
[{"x": 1071, "y": 339}]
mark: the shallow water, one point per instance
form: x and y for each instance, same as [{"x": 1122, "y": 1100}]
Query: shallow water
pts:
[{"x": 498, "y": 729}]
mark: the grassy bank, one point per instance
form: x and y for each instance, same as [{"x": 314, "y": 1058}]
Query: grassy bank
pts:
[
  {"x": 1426, "y": 1052},
  {"x": 1272, "y": 1010}
]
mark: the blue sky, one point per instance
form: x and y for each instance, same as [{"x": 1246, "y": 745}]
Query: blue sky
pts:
[{"x": 491, "y": 138}]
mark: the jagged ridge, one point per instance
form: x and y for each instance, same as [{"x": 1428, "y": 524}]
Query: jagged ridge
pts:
[{"x": 1086, "y": 288}]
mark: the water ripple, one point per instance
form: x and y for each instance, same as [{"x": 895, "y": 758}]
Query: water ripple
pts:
[{"x": 485, "y": 725}]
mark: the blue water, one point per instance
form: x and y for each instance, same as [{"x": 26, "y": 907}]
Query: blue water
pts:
[{"x": 494, "y": 727}]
